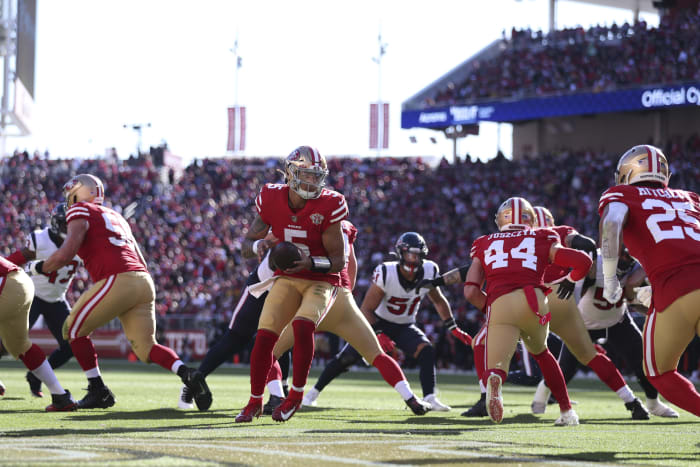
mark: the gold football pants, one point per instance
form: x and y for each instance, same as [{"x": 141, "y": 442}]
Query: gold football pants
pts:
[
  {"x": 567, "y": 323},
  {"x": 16, "y": 295}
]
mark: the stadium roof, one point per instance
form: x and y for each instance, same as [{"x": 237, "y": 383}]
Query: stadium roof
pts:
[{"x": 645, "y": 6}]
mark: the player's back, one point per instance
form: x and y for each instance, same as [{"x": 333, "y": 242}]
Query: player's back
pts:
[
  {"x": 401, "y": 299},
  {"x": 109, "y": 246},
  {"x": 514, "y": 259}
]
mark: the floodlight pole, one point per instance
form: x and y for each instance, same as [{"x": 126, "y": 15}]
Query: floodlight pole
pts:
[
  {"x": 380, "y": 106},
  {"x": 138, "y": 128},
  {"x": 238, "y": 64}
]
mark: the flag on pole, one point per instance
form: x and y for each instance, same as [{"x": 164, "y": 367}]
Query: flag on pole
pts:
[
  {"x": 236, "y": 129},
  {"x": 374, "y": 128}
]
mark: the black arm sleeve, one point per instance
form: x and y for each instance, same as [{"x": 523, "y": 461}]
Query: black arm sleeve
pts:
[{"x": 581, "y": 242}]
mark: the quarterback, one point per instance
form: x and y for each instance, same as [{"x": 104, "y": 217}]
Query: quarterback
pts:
[{"x": 661, "y": 229}]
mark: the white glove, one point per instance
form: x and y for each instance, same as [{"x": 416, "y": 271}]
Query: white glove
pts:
[
  {"x": 612, "y": 291},
  {"x": 643, "y": 295}
]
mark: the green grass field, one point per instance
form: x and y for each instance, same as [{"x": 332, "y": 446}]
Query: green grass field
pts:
[{"x": 359, "y": 420}]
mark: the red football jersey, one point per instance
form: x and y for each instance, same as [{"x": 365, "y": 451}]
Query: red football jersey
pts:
[
  {"x": 349, "y": 236},
  {"x": 554, "y": 272},
  {"x": 7, "y": 267},
  {"x": 513, "y": 260},
  {"x": 663, "y": 233},
  {"x": 303, "y": 227},
  {"x": 109, "y": 247}
]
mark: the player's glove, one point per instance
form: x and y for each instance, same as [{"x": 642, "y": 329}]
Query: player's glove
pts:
[
  {"x": 612, "y": 290},
  {"x": 644, "y": 295},
  {"x": 385, "y": 342},
  {"x": 458, "y": 333},
  {"x": 566, "y": 288},
  {"x": 34, "y": 268}
]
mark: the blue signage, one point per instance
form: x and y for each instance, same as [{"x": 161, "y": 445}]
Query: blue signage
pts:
[{"x": 555, "y": 106}]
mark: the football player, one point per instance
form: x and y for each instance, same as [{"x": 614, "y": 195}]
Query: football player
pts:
[
  {"x": 16, "y": 292},
  {"x": 349, "y": 322},
  {"x": 122, "y": 289},
  {"x": 305, "y": 213},
  {"x": 512, "y": 262},
  {"x": 661, "y": 228},
  {"x": 49, "y": 289},
  {"x": 569, "y": 326},
  {"x": 611, "y": 325}
]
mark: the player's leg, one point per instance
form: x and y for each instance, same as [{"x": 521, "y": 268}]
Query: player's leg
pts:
[
  {"x": 569, "y": 366},
  {"x": 282, "y": 302},
  {"x": 338, "y": 365},
  {"x": 479, "y": 349},
  {"x": 666, "y": 336},
  {"x": 16, "y": 292},
  {"x": 34, "y": 312}
]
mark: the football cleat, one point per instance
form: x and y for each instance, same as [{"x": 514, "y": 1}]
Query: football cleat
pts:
[
  {"x": 97, "y": 398},
  {"x": 250, "y": 411},
  {"x": 478, "y": 409},
  {"x": 568, "y": 418},
  {"x": 639, "y": 412},
  {"x": 288, "y": 407},
  {"x": 435, "y": 404},
  {"x": 2, "y": 389},
  {"x": 272, "y": 404},
  {"x": 62, "y": 403},
  {"x": 196, "y": 383},
  {"x": 418, "y": 406},
  {"x": 309, "y": 401},
  {"x": 658, "y": 408},
  {"x": 494, "y": 398},
  {"x": 185, "y": 401},
  {"x": 34, "y": 385}
]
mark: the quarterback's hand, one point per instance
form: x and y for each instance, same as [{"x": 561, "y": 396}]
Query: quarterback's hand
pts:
[
  {"x": 566, "y": 288},
  {"x": 33, "y": 268},
  {"x": 304, "y": 264},
  {"x": 612, "y": 291},
  {"x": 644, "y": 295},
  {"x": 385, "y": 342},
  {"x": 461, "y": 335}
]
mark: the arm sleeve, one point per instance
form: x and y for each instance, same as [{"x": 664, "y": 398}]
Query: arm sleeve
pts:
[
  {"x": 581, "y": 242},
  {"x": 578, "y": 261}
]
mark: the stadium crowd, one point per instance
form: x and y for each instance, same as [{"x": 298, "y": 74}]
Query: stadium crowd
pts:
[
  {"x": 190, "y": 227},
  {"x": 601, "y": 58}
]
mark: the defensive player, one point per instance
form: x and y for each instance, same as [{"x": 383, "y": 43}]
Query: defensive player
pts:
[
  {"x": 661, "y": 228},
  {"x": 49, "y": 289},
  {"x": 305, "y": 213},
  {"x": 611, "y": 325},
  {"x": 122, "y": 289},
  {"x": 390, "y": 305},
  {"x": 512, "y": 262},
  {"x": 569, "y": 326},
  {"x": 16, "y": 292}
]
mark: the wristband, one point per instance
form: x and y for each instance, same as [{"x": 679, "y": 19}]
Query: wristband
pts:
[
  {"x": 320, "y": 264},
  {"x": 478, "y": 286},
  {"x": 450, "y": 323},
  {"x": 255, "y": 245}
]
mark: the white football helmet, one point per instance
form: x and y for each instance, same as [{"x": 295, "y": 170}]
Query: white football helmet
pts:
[
  {"x": 515, "y": 214},
  {"x": 543, "y": 217},
  {"x": 306, "y": 170},
  {"x": 643, "y": 163},
  {"x": 84, "y": 187}
]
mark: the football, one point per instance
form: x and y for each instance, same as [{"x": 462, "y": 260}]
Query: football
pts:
[{"x": 283, "y": 255}]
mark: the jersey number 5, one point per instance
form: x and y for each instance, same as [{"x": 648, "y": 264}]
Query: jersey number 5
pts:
[{"x": 122, "y": 234}]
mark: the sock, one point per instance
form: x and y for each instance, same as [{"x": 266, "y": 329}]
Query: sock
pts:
[
  {"x": 303, "y": 353},
  {"x": 404, "y": 389},
  {"x": 33, "y": 358},
  {"x": 389, "y": 369},
  {"x": 296, "y": 393},
  {"x": 554, "y": 378},
  {"x": 625, "y": 394},
  {"x": 426, "y": 364},
  {"x": 480, "y": 364},
  {"x": 165, "y": 357},
  {"x": 482, "y": 387},
  {"x": 261, "y": 359},
  {"x": 496, "y": 371},
  {"x": 93, "y": 373},
  {"x": 230, "y": 344},
  {"x": 678, "y": 391},
  {"x": 607, "y": 372},
  {"x": 274, "y": 380},
  {"x": 84, "y": 352},
  {"x": 45, "y": 373}
]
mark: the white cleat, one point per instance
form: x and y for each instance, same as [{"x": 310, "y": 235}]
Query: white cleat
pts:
[
  {"x": 435, "y": 404},
  {"x": 568, "y": 418},
  {"x": 539, "y": 402},
  {"x": 494, "y": 398},
  {"x": 185, "y": 401},
  {"x": 658, "y": 408},
  {"x": 308, "y": 401}
]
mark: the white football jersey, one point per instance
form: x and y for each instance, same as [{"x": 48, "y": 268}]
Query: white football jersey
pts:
[
  {"x": 400, "y": 305},
  {"x": 50, "y": 287},
  {"x": 597, "y": 312}
]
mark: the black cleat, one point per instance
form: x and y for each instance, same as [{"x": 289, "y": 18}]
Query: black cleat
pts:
[
  {"x": 478, "y": 409},
  {"x": 195, "y": 381},
  {"x": 418, "y": 406},
  {"x": 639, "y": 412},
  {"x": 62, "y": 403},
  {"x": 272, "y": 404},
  {"x": 97, "y": 398},
  {"x": 34, "y": 384}
]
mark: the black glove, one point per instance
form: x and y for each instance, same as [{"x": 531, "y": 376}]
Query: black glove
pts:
[{"x": 566, "y": 288}]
